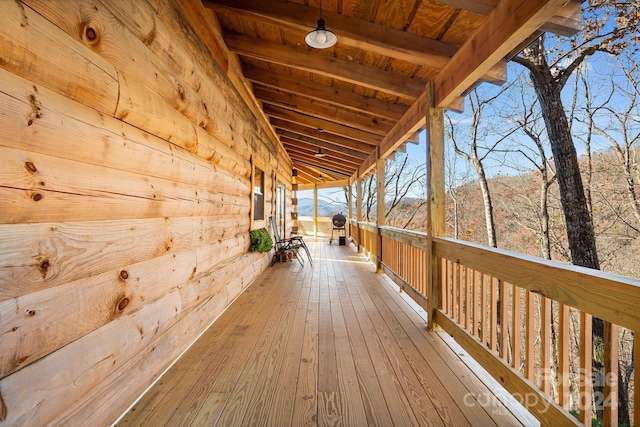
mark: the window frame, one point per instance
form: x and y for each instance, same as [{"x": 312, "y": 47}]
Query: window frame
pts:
[{"x": 261, "y": 200}]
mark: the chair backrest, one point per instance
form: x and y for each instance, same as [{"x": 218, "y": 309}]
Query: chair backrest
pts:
[{"x": 274, "y": 227}]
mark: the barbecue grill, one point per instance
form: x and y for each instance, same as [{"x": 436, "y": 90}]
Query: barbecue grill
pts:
[{"x": 338, "y": 221}]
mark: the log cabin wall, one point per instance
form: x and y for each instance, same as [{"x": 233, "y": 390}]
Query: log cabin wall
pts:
[{"x": 126, "y": 157}]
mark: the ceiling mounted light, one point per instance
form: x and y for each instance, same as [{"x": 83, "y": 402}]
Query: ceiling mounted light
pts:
[
  {"x": 321, "y": 38},
  {"x": 319, "y": 153}
]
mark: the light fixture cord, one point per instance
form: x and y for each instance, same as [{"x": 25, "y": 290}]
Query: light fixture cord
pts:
[{"x": 320, "y": 9}]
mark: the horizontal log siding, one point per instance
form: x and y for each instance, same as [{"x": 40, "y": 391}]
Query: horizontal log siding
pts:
[{"x": 125, "y": 187}]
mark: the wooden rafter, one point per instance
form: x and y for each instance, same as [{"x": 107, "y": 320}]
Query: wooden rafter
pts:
[
  {"x": 325, "y": 93},
  {"x": 363, "y": 99},
  {"x": 355, "y": 33},
  {"x": 291, "y": 136},
  {"x": 311, "y": 150},
  {"x": 385, "y": 81},
  {"x": 565, "y": 22},
  {"x": 323, "y": 136},
  {"x": 325, "y": 126},
  {"x": 324, "y": 112},
  {"x": 511, "y": 22}
]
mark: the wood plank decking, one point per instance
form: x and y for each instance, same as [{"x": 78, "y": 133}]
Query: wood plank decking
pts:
[{"x": 328, "y": 344}]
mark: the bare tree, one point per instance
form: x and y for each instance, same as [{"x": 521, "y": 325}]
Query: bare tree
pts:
[
  {"x": 402, "y": 179},
  {"x": 549, "y": 70},
  {"x": 477, "y": 137},
  {"x": 620, "y": 125}
]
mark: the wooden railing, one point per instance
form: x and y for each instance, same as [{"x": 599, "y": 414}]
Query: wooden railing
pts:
[
  {"x": 365, "y": 235},
  {"x": 528, "y": 321},
  {"x": 404, "y": 259},
  {"x": 505, "y": 306}
]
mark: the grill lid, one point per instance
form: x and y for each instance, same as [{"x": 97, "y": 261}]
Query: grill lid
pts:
[{"x": 339, "y": 220}]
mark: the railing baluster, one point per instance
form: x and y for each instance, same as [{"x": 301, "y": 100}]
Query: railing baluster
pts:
[
  {"x": 563, "y": 356},
  {"x": 545, "y": 344},
  {"x": 454, "y": 291},
  {"x": 516, "y": 323},
  {"x": 493, "y": 310},
  {"x": 477, "y": 299},
  {"x": 636, "y": 377},
  {"x": 610, "y": 374},
  {"x": 444, "y": 277},
  {"x": 468, "y": 297},
  {"x": 586, "y": 358},
  {"x": 504, "y": 334},
  {"x": 530, "y": 360},
  {"x": 483, "y": 308}
]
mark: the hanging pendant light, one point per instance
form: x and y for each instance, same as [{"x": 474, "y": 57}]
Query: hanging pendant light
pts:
[
  {"x": 321, "y": 38},
  {"x": 319, "y": 153}
]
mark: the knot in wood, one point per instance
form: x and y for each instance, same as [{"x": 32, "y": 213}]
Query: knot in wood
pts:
[
  {"x": 124, "y": 275},
  {"x": 90, "y": 33},
  {"x": 124, "y": 302},
  {"x": 30, "y": 167},
  {"x": 36, "y": 197}
]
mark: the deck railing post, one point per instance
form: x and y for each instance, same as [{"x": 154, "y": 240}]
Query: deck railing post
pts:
[
  {"x": 380, "y": 217},
  {"x": 315, "y": 210},
  {"x": 435, "y": 192},
  {"x": 359, "y": 210}
]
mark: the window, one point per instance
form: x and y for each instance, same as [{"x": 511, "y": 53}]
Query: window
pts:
[
  {"x": 258, "y": 194},
  {"x": 280, "y": 208}
]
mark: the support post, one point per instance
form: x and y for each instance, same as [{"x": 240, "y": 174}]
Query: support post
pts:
[
  {"x": 435, "y": 194},
  {"x": 349, "y": 207},
  {"x": 380, "y": 217},
  {"x": 315, "y": 210},
  {"x": 359, "y": 210}
]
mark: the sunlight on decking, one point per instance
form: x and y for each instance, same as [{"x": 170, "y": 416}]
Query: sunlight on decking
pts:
[{"x": 328, "y": 344}]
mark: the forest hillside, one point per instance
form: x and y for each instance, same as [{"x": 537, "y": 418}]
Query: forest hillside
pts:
[{"x": 517, "y": 215}]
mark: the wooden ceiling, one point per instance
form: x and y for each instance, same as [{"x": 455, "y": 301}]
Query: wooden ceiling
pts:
[{"x": 363, "y": 97}]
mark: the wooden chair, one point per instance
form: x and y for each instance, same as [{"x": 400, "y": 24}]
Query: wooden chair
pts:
[{"x": 291, "y": 243}]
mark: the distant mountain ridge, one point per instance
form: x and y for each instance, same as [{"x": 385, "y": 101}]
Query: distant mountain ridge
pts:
[{"x": 325, "y": 208}]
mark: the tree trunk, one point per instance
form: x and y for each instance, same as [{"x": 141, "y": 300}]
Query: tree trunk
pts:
[
  {"x": 488, "y": 204},
  {"x": 580, "y": 233}
]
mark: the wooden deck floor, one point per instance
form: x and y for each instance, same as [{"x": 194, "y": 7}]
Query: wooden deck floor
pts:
[{"x": 329, "y": 344}]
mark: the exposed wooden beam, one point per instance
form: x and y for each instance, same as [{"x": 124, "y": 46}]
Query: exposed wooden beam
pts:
[
  {"x": 566, "y": 21},
  {"x": 327, "y": 184},
  {"x": 325, "y": 112},
  {"x": 291, "y": 136},
  {"x": 325, "y": 93},
  {"x": 351, "y": 32},
  {"x": 311, "y": 150},
  {"x": 314, "y": 171},
  {"x": 321, "y": 163},
  {"x": 326, "y": 126},
  {"x": 305, "y": 175},
  {"x": 511, "y": 22},
  {"x": 413, "y": 120},
  {"x": 304, "y": 59},
  {"x": 323, "y": 136}
]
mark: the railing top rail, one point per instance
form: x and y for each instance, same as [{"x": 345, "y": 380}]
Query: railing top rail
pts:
[
  {"x": 415, "y": 239},
  {"x": 611, "y": 297},
  {"x": 403, "y": 231}
]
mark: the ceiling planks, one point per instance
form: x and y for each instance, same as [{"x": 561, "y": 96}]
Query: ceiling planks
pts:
[{"x": 365, "y": 97}]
